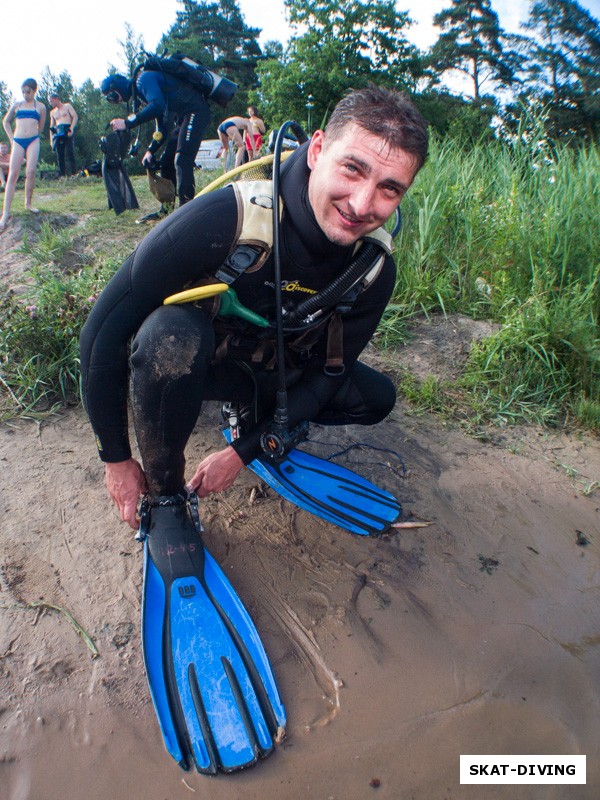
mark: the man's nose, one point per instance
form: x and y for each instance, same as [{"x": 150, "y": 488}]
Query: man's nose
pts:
[{"x": 363, "y": 200}]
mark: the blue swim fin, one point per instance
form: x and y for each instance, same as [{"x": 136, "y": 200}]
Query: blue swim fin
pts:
[
  {"x": 329, "y": 491},
  {"x": 210, "y": 679}
]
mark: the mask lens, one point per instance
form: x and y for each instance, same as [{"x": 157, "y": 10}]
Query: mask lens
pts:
[{"x": 113, "y": 96}]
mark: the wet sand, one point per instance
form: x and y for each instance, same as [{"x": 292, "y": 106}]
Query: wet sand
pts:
[{"x": 394, "y": 655}]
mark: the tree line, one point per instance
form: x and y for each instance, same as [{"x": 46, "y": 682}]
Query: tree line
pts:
[{"x": 553, "y": 65}]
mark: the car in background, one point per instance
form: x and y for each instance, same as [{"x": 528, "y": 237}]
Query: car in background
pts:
[{"x": 207, "y": 156}]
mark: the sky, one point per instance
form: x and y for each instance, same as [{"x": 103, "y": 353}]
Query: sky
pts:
[{"x": 84, "y": 39}]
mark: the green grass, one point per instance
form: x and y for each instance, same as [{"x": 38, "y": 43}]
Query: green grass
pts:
[
  {"x": 73, "y": 249},
  {"x": 510, "y": 234},
  {"x": 504, "y": 233}
]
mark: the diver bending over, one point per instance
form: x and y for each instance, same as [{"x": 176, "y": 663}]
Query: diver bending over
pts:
[
  {"x": 181, "y": 115},
  {"x": 336, "y": 190}
]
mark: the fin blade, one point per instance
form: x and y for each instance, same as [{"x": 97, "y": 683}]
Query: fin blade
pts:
[
  {"x": 214, "y": 723},
  {"x": 153, "y": 620},
  {"x": 330, "y": 491},
  {"x": 237, "y": 619},
  {"x": 210, "y": 678}
]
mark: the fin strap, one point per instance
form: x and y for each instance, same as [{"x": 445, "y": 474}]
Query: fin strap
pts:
[{"x": 193, "y": 506}]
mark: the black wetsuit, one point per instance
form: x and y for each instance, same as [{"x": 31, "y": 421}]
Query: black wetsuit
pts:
[
  {"x": 173, "y": 346},
  {"x": 182, "y": 114}
]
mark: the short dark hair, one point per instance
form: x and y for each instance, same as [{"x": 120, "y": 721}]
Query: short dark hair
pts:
[
  {"x": 50, "y": 96},
  {"x": 385, "y": 113},
  {"x": 31, "y": 83}
]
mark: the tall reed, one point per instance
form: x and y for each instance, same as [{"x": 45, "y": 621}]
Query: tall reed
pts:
[{"x": 511, "y": 232}]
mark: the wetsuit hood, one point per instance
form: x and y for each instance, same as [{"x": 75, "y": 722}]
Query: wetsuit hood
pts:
[{"x": 116, "y": 83}]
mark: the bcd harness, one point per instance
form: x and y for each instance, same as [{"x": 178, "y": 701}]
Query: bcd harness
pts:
[
  {"x": 203, "y": 80},
  {"x": 304, "y": 324},
  {"x": 208, "y": 83}
]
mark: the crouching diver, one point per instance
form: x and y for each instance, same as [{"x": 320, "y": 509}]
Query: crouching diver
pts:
[
  {"x": 181, "y": 113},
  {"x": 337, "y": 191},
  {"x": 321, "y": 274}
]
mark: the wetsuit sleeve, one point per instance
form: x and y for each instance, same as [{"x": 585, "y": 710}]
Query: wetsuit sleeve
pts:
[
  {"x": 151, "y": 89},
  {"x": 189, "y": 245},
  {"x": 315, "y": 389}
]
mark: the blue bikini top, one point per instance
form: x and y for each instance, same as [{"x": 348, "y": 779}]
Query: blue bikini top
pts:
[{"x": 28, "y": 113}]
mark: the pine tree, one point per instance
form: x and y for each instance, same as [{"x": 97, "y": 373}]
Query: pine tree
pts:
[
  {"x": 6, "y": 98},
  {"x": 216, "y": 35},
  {"x": 472, "y": 43},
  {"x": 563, "y": 65},
  {"x": 131, "y": 48}
]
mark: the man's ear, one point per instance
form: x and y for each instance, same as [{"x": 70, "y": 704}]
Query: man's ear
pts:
[{"x": 315, "y": 148}]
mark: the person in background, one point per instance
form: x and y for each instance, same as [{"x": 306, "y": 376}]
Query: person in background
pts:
[
  {"x": 30, "y": 117},
  {"x": 256, "y": 132},
  {"x": 4, "y": 163},
  {"x": 229, "y": 130},
  {"x": 63, "y": 119},
  {"x": 181, "y": 113}
]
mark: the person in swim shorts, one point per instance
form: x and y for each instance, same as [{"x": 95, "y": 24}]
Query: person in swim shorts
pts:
[
  {"x": 229, "y": 130},
  {"x": 63, "y": 119},
  {"x": 256, "y": 133},
  {"x": 30, "y": 117}
]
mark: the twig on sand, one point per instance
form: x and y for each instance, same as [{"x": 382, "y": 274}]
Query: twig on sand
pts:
[
  {"x": 43, "y": 604},
  {"x": 411, "y": 524}
]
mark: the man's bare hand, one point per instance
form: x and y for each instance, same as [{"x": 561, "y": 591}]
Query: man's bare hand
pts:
[
  {"x": 216, "y": 472},
  {"x": 126, "y": 483}
]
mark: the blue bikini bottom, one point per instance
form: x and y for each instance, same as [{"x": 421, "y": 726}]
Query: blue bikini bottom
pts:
[{"x": 25, "y": 142}]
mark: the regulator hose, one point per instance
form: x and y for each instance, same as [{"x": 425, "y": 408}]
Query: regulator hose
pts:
[
  {"x": 278, "y": 440},
  {"x": 363, "y": 262}
]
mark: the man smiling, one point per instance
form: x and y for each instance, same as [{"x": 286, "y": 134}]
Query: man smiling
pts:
[
  {"x": 337, "y": 191},
  {"x": 356, "y": 183}
]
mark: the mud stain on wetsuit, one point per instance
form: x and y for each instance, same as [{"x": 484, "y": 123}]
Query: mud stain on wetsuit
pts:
[{"x": 174, "y": 358}]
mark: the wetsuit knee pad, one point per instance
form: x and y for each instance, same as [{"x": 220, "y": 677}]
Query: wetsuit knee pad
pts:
[{"x": 174, "y": 338}]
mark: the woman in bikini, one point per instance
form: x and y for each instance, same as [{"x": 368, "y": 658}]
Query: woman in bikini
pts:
[{"x": 30, "y": 116}]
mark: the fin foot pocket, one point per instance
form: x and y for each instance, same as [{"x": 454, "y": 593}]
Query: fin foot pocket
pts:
[{"x": 211, "y": 682}]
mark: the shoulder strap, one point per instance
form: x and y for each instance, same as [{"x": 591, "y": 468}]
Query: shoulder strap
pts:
[
  {"x": 381, "y": 237},
  {"x": 255, "y": 213},
  {"x": 253, "y": 240},
  {"x": 384, "y": 241}
]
